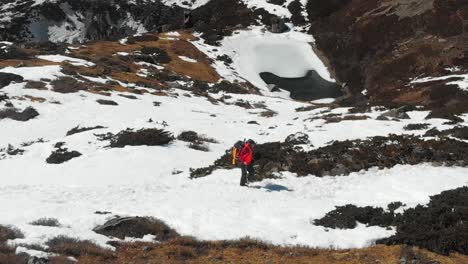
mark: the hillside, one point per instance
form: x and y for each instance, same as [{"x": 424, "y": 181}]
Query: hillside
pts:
[{"x": 117, "y": 120}]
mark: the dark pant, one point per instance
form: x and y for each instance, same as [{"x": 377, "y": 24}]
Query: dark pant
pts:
[{"x": 247, "y": 169}]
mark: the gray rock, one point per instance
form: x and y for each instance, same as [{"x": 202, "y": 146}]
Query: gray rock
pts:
[
  {"x": 298, "y": 138},
  {"x": 278, "y": 25},
  {"x": 397, "y": 113},
  {"x": 340, "y": 169}
]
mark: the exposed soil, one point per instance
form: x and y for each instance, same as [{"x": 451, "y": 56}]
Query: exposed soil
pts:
[{"x": 344, "y": 157}]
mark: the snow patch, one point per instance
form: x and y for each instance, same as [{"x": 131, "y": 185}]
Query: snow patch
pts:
[
  {"x": 462, "y": 84},
  {"x": 61, "y": 58},
  {"x": 187, "y": 59},
  {"x": 36, "y": 73}
]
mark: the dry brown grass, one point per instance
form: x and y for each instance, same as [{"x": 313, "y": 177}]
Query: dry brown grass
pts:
[
  {"x": 35, "y": 99},
  {"x": 188, "y": 250},
  {"x": 26, "y": 63},
  {"x": 78, "y": 248},
  {"x": 201, "y": 70}
]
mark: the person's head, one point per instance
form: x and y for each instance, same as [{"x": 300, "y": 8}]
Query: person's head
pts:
[{"x": 251, "y": 142}]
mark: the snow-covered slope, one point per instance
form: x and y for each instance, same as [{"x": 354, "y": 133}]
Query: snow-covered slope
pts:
[{"x": 154, "y": 181}]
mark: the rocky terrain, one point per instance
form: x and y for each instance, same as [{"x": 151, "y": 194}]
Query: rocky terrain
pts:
[{"x": 117, "y": 121}]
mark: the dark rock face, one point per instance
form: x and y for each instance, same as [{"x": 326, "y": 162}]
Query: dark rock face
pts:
[
  {"x": 218, "y": 18},
  {"x": 7, "y": 78},
  {"x": 421, "y": 38},
  {"x": 310, "y": 87},
  {"x": 136, "y": 227},
  {"x": 101, "y": 20}
]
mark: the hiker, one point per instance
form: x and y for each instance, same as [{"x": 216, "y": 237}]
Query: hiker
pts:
[{"x": 243, "y": 154}]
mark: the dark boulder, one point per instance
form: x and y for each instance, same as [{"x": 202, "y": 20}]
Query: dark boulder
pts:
[
  {"x": 15, "y": 114},
  {"x": 298, "y": 138},
  {"x": 7, "y": 78},
  {"x": 106, "y": 102},
  {"x": 62, "y": 155},
  {"x": 136, "y": 227},
  {"x": 278, "y": 25}
]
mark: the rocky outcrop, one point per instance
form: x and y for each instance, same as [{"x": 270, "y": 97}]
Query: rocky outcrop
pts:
[
  {"x": 379, "y": 46},
  {"x": 136, "y": 227},
  {"x": 85, "y": 19}
]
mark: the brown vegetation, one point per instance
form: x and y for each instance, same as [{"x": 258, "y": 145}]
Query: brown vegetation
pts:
[{"x": 188, "y": 250}]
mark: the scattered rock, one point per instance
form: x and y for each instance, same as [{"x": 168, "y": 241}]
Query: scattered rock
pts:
[
  {"x": 25, "y": 115},
  {"x": 106, "y": 102},
  {"x": 278, "y": 25},
  {"x": 297, "y": 139},
  {"x": 398, "y": 113},
  {"x": 62, "y": 155},
  {"x": 253, "y": 122},
  {"x": 137, "y": 227},
  {"x": 7, "y": 78},
  {"x": 128, "y": 96},
  {"x": 224, "y": 58}
]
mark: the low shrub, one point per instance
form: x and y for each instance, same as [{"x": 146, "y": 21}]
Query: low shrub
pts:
[
  {"x": 142, "y": 137},
  {"x": 52, "y": 222}
]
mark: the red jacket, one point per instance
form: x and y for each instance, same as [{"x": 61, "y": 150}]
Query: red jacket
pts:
[{"x": 246, "y": 154}]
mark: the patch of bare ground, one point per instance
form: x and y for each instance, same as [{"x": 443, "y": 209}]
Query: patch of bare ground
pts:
[{"x": 104, "y": 52}]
